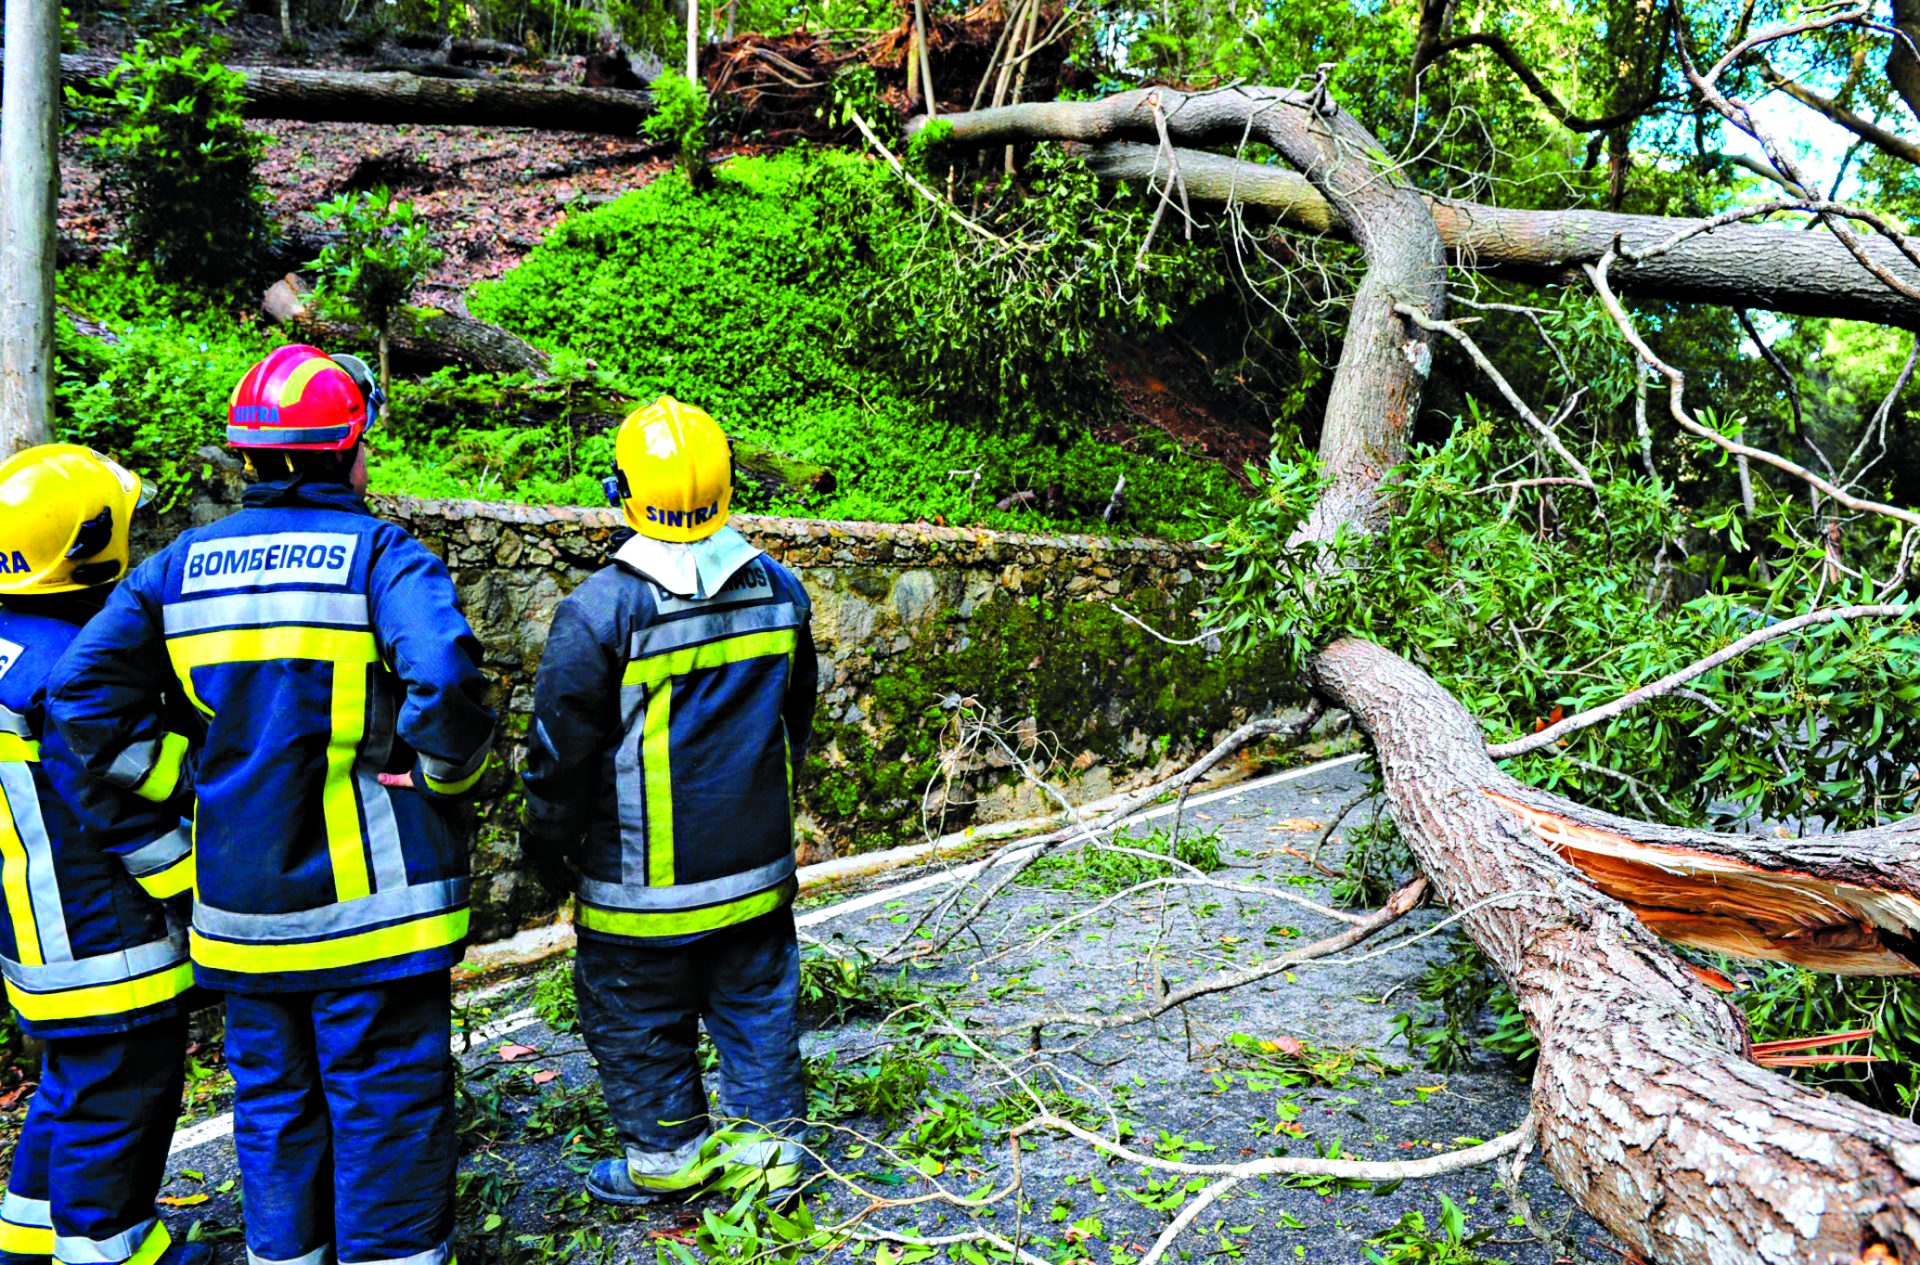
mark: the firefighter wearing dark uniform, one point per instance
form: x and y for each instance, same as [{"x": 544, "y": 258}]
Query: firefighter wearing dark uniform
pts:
[
  {"x": 673, "y": 705},
  {"x": 339, "y": 697},
  {"x": 94, "y": 965}
]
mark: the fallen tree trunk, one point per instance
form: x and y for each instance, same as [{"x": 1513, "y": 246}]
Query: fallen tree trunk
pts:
[
  {"x": 421, "y": 333},
  {"x": 1743, "y": 265},
  {"x": 1651, "y": 1112},
  {"x": 347, "y": 96}
]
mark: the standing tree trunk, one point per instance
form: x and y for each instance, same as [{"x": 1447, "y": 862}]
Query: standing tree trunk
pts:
[
  {"x": 286, "y": 21},
  {"x": 29, "y": 202}
]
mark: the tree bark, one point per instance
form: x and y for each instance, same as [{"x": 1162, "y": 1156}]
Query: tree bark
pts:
[
  {"x": 344, "y": 96},
  {"x": 1651, "y": 1113},
  {"x": 1744, "y": 265},
  {"x": 1903, "y": 66},
  {"x": 1383, "y": 360},
  {"x": 29, "y": 206}
]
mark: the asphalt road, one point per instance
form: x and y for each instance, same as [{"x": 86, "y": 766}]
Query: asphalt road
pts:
[{"x": 1299, "y": 1064}]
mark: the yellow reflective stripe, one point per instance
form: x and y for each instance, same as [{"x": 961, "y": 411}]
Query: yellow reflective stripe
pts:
[
  {"x": 164, "y": 778},
  {"x": 173, "y": 880},
  {"x": 340, "y": 801},
  {"x": 677, "y": 922},
  {"x": 153, "y": 1247},
  {"x": 433, "y": 932},
  {"x": 13, "y": 885},
  {"x": 100, "y": 1000},
  {"x": 17, "y": 750},
  {"x": 461, "y": 787},
  {"x": 26, "y": 1240},
  {"x": 252, "y": 645},
  {"x": 657, "y": 764},
  {"x": 306, "y": 371},
  {"x": 714, "y": 654}
]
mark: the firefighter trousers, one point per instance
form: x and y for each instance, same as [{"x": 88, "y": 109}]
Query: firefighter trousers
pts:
[
  {"x": 93, "y": 1150},
  {"x": 343, "y": 1122},
  {"x": 641, "y": 1006}
]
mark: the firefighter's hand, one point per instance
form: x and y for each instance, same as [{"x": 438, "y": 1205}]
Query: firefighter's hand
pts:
[
  {"x": 399, "y": 781},
  {"x": 546, "y": 860}
]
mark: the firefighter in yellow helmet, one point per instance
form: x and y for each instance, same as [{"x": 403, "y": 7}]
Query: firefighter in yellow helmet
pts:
[
  {"x": 671, "y": 716},
  {"x": 95, "y": 962}
]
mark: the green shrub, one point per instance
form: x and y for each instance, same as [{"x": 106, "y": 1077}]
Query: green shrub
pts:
[
  {"x": 679, "y": 119},
  {"x": 178, "y": 160},
  {"x": 157, "y": 390},
  {"x": 369, "y": 267}
]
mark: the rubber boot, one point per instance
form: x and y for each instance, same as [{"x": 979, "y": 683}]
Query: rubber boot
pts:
[{"x": 645, "y": 1177}]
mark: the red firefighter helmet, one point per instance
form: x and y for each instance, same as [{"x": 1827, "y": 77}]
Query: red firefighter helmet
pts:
[{"x": 299, "y": 399}]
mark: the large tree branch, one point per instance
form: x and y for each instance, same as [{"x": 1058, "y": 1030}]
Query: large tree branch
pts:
[
  {"x": 1383, "y": 361},
  {"x": 1651, "y": 1112},
  {"x": 1742, "y": 265},
  {"x": 1866, "y": 129}
]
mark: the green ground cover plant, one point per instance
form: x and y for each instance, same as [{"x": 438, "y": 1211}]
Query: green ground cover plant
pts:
[{"x": 776, "y": 301}]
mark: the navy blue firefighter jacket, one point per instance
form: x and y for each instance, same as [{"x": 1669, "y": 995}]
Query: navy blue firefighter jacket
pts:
[
  {"x": 667, "y": 730},
  {"x": 319, "y": 647},
  {"x": 86, "y": 945}
]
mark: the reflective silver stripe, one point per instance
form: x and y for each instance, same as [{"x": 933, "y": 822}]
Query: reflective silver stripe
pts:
[
  {"x": 447, "y": 771},
  {"x": 34, "y": 1213},
  {"x": 432, "y": 1256},
  {"x": 319, "y": 1256},
  {"x": 395, "y": 905},
  {"x": 101, "y": 968},
  {"x": 630, "y": 786},
  {"x": 43, "y": 886},
  {"x": 131, "y": 766},
  {"x": 12, "y": 722},
  {"x": 376, "y": 801},
  {"x": 694, "y": 630},
  {"x": 72, "y": 1250},
  {"x": 686, "y": 895},
  {"x": 288, "y": 606},
  {"x": 158, "y": 855}
]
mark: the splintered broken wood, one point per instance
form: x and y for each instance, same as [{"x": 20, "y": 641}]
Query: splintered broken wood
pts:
[{"x": 1717, "y": 902}]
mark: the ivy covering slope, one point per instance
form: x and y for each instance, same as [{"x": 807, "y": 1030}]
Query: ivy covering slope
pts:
[
  {"x": 774, "y": 300},
  {"x": 780, "y": 300}
]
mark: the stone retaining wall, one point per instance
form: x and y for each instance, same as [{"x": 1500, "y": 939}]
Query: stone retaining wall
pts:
[{"x": 908, "y": 618}]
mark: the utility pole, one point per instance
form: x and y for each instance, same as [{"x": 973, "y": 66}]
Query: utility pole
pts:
[{"x": 29, "y": 202}]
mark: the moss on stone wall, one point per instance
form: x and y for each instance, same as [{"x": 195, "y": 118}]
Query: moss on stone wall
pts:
[{"x": 1094, "y": 691}]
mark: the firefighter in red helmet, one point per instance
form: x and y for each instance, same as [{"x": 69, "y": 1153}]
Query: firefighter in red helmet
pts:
[{"x": 341, "y": 710}]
